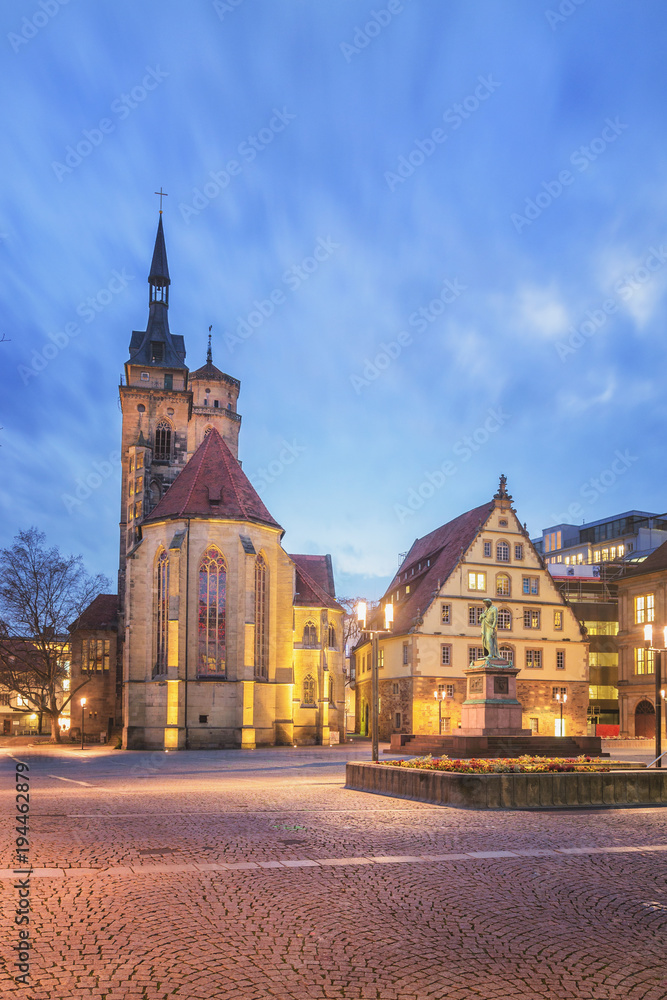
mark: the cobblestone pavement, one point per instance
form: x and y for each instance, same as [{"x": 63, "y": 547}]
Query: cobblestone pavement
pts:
[{"x": 256, "y": 874}]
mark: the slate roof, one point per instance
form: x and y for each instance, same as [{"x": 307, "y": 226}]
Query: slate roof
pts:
[
  {"x": 211, "y": 373},
  {"x": 314, "y": 586},
  {"x": 212, "y": 485},
  {"x": 102, "y": 613},
  {"x": 159, "y": 273},
  {"x": 442, "y": 550}
]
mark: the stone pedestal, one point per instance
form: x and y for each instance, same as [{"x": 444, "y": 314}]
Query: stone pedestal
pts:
[{"x": 491, "y": 707}]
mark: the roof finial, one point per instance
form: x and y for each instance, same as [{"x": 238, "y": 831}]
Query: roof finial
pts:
[
  {"x": 209, "y": 353},
  {"x": 162, "y": 194}
]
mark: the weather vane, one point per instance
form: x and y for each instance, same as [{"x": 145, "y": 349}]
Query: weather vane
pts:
[{"x": 163, "y": 194}]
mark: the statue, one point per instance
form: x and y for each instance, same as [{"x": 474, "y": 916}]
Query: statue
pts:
[{"x": 489, "y": 622}]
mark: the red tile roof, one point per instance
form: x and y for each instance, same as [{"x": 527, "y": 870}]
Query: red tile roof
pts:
[
  {"x": 100, "y": 613},
  {"x": 212, "y": 485},
  {"x": 441, "y": 549},
  {"x": 314, "y": 582}
]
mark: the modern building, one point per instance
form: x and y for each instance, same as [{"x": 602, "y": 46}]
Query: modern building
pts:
[
  {"x": 225, "y": 639},
  {"x": 438, "y": 596},
  {"x": 627, "y": 537},
  {"x": 642, "y": 600}
]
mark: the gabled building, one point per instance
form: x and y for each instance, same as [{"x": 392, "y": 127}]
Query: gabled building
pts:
[
  {"x": 438, "y": 596},
  {"x": 227, "y": 640}
]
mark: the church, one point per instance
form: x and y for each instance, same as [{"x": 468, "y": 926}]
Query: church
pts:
[{"x": 219, "y": 637}]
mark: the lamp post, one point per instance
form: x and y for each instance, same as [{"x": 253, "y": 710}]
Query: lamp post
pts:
[
  {"x": 562, "y": 698},
  {"x": 375, "y": 679},
  {"x": 659, "y": 694},
  {"x": 83, "y": 705},
  {"x": 440, "y": 697}
]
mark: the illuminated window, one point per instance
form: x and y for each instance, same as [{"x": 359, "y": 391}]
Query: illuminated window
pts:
[
  {"x": 261, "y": 618},
  {"x": 308, "y": 690},
  {"x": 163, "y": 441},
  {"x": 162, "y": 617},
  {"x": 212, "y": 613},
  {"x": 446, "y": 655},
  {"x": 531, "y": 618},
  {"x": 445, "y": 614},
  {"x": 644, "y": 662},
  {"x": 310, "y": 635},
  {"x": 504, "y": 619},
  {"x": 518, "y": 551},
  {"x": 487, "y": 550},
  {"x": 474, "y": 612},
  {"x": 502, "y": 552},
  {"x": 621, "y": 551},
  {"x": 502, "y": 585},
  {"x": 558, "y": 619},
  {"x": 612, "y": 552},
  {"x": 645, "y": 609},
  {"x": 596, "y": 555},
  {"x": 476, "y": 581},
  {"x": 530, "y": 584},
  {"x": 95, "y": 655},
  {"x": 534, "y": 658},
  {"x": 380, "y": 659},
  {"x": 605, "y": 555},
  {"x": 560, "y": 659}
]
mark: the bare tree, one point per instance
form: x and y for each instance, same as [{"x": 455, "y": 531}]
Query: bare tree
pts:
[
  {"x": 351, "y": 630},
  {"x": 41, "y": 593}
]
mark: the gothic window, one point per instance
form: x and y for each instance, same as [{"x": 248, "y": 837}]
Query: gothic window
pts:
[
  {"x": 261, "y": 618},
  {"x": 331, "y": 690},
  {"x": 331, "y": 637},
  {"x": 162, "y": 626},
  {"x": 211, "y": 626},
  {"x": 308, "y": 690},
  {"x": 504, "y": 619},
  {"x": 163, "y": 441},
  {"x": 155, "y": 493},
  {"x": 310, "y": 635}
]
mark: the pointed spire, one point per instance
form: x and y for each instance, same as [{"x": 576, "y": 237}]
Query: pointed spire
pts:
[
  {"x": 209, "y": 352},
  {"x": 158, "y": 277}
]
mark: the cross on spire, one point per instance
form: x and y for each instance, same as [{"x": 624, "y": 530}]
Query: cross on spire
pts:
[
  {"x": 209, "y": 353},
  {"x": 162, "y": 194}
]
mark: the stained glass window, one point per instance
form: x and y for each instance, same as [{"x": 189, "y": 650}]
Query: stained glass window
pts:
[{"x": 212, "y": 601}]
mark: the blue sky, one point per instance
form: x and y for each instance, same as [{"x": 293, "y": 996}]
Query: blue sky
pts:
[{"x": 484, "y": 184}]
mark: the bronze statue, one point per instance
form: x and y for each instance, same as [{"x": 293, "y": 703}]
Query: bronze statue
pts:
[{"x": 489, "y": 622}]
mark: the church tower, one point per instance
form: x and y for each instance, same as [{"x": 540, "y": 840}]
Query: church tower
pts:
[{"x": 166, "y": 409}]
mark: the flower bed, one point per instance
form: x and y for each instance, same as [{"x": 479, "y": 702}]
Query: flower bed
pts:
[{"x": 501, "y": 765}]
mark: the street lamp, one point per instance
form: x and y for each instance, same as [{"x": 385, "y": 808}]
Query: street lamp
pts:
[
  {"x": 659, "y": 694},
  {"x": 83, "y": 705},
  {"x": 375, "y": 679},
  {"x": 440, "y": 697},
  {"x": 562, "y": 698}
]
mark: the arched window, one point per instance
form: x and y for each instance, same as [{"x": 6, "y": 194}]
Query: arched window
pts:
[
  {"x": 308, "y": 690},
  {"x": 504, "y": 619},
  {"x": 502, "y": 552},
  {"x": 212, "y": 601},
  {"x": 331, "y": 637},
  {"x": 261, "y": 618},
  {"x": 163, "y": 441},
  {"x": 155, "y": 493},
  {"x": 331, "y": 690},
  {"x": 162, "y": 617},
  {"x": 503, "y": 585},
  {"x": 310, "y": 634},
  {"x": 507, "y": 653}
]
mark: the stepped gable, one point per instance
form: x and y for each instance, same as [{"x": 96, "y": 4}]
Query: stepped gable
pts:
[
  {"x": 314, "y": 585},
  {"x": 212, "y": 485},
  {"x": 100, "y": 613},
  {"x": 442, "y": 548}
]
